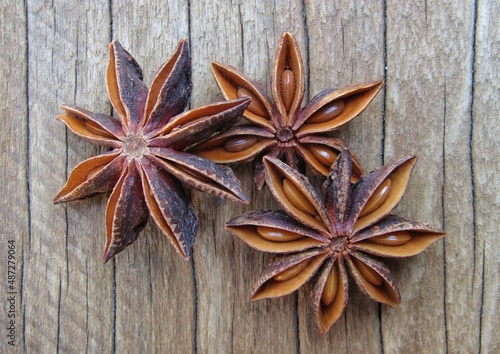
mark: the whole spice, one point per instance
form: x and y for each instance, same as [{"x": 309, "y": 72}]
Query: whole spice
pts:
[
  {"x": 146, "y": 161},
  {"x": 312, "y": 238},
  {"x": 283, "y": 129}
]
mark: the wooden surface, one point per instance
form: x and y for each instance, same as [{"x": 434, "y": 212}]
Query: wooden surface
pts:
[{"x": 440, "y": 62}]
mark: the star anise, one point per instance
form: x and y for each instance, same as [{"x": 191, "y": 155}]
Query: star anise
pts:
[
  {"x": 321, "y": 239},
  {"x": 283, "y": 129},
  {"x": 146, "y": 161}
]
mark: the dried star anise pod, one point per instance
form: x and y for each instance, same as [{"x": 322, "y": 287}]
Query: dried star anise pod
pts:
[
  {"x": 146, "y": 163},
  {"x": 321, "y": 239},
  {"x": 283, "y": 129}
]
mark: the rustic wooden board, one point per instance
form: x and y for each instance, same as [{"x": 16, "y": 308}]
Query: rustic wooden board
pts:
[{"x": 440, "y": 101}]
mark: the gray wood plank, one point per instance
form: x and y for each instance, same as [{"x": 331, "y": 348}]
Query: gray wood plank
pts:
[
  {"x": 486, "y": 173},
  {"x": 14, "y": 218}
]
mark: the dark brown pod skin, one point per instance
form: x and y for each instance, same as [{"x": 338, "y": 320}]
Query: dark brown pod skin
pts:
[{"x": 148, "y": 163}]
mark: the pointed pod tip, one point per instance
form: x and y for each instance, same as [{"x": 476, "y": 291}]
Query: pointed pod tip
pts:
[
  {"x": 345, "y": 155},
  {"x": 106, "y": 257},
  {"x": 254, "y": 296},
  {"x": 244, "y": 199},
  {"x": 183, "y": 44},
  {"x": 412, "y": 159},
  {"x": 184, "y": 253},
  {"x": 287, "y": 35},
  {"x": 114, "y": 43},
  {"x": 288, "y": 39},
  {"x": 375, "y": 87},
  {"x": 218, "y": 68},
  {"x": 243, "y": 101},
  {"x": 59, "y": 198}
]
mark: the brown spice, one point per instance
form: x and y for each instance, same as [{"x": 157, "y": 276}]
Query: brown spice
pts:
[
  {"x": 345, "y": 231},
  {"x": 146, "y": 162},
  {"x": 279, "y": 127}
]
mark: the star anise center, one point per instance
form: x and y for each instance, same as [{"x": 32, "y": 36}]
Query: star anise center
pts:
[
  {"x": 285, "y": 135},
  {"x": 135, "y": 146},
  {"x": 339, "y": 245}
]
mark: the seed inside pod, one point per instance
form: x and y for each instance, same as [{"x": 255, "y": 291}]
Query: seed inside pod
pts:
[
  {"x": 378, "y": 197},
  {"x": 256, "y": 107},
  {"x": 293, "y": 271},
  {"x": 287, "y": 88},
  {"x": 331, "y": 287},
  {"x": 277, "y": 235},
  {"x": 327, "y": 112},
  {"x": 240, "y": 143},
  {"x": 324, "y": 154},
  {"x": 297, "y": 198},
  {"x": 94, "y": 128},
  {"x": 397, "y": 238},
  {"x": 368, "y": 273}
]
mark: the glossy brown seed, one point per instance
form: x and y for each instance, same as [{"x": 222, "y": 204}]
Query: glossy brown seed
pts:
[
  {"x": 368, "y": 273},
  {"x": 277, "y": 235},
  {"x": 287, "y": 88},
  {"x": 240, "y": 143},
  {"x": 297, "y": 198},
  {"x": 331, "y": 287},
  {"x": 378, "y": 197},
  {"x": 393, "y": 239},
  {"x": 256, "y": 107},
  {"x": 324, "y": 154},
  {"x": 97, "y": 130},
  {"x": 292, "y": 271},
  {"x": 327, "y": 112}
]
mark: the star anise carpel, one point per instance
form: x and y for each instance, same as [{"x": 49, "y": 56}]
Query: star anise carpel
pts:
[
  {"x": 281, "y": 127},
  {"x": 147, "y": 164},
  {"x": 321, "y": 240}
]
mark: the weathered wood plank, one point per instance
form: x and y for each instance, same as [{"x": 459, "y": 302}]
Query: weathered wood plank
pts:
[
  {"x": 340, "y": 54},
  {"x": 486, "y": 173},
  {"x": 461, "y": 307},
  {"x": 414, "y": 123},
  {"x": 14, "y": 218},
  {"x": 155, "y": 289}
]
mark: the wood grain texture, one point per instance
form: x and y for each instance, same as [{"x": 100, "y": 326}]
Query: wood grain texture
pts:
[
  {"x": 486, "y": 171},
  {"x": 15, "y": 217},
  {"x": 440, "y": 101}
]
